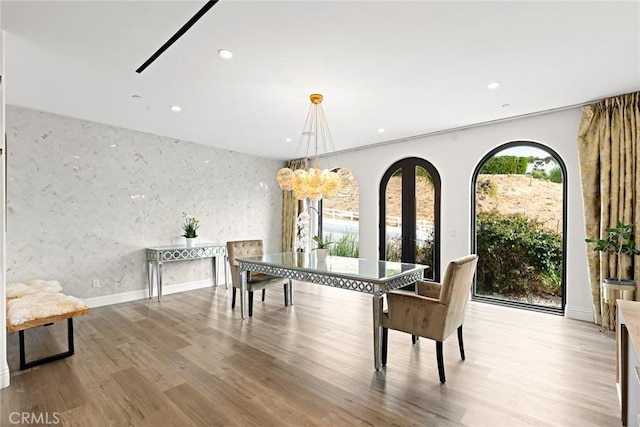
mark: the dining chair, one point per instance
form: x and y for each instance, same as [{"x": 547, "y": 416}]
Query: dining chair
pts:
[
  {"x": 435, "y": 312},
  {"x": 256, "y": 281}
]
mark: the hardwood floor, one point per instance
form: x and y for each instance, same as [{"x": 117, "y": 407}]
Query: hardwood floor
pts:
[{"x": 191, "y": 361}]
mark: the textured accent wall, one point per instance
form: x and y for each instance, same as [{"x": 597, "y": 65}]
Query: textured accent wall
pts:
[{"x": 85, "y": 199}]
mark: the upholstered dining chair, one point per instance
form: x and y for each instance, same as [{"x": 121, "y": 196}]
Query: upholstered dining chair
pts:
[
  {"x": 256, "y": 281},
  {"x": 435, "y": 312}
]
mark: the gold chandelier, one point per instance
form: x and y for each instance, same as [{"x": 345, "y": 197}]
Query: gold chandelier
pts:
[{"x": 316, "y": 183}]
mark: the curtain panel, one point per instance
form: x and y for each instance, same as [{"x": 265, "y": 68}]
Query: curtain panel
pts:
[
  {"x": 608, "y": 141},
  {"x": 291, "y": 208}
]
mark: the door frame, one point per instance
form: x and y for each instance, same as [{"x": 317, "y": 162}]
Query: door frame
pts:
[{"x": 409, "y": 222}]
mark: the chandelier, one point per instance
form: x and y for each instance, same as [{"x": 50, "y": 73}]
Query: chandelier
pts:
[{"x": 315, "y": 183}]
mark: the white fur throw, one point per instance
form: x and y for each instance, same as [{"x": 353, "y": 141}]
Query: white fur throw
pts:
[
  {"x": 40, "y": 305},
  {"x": 17, "y": 290}
]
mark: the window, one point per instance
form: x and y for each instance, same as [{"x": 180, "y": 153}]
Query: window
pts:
[
  {"x": 518, "y": 227},
  {"x": 340, "y": 223}
]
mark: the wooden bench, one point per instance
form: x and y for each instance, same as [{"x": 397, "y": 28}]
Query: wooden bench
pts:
[{"x": 46, "y": 321}]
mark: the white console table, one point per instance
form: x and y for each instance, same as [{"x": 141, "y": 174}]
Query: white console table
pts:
[{"x": 161, "y": 254}]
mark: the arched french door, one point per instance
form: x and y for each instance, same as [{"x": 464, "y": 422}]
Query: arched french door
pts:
[
  {"x": 518, "y": 227},
  {"x": 410, "y": 214}
]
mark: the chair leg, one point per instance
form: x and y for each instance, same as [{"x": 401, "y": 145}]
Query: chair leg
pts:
[
  {"x": 233, "y": 298},
  {"x": 385, "y": 336},
  {"x": 250, "y": 304},
  {"x": 264, "y": 292},
  {"x": 460, "y": 342},
  {"x": 286, "y": 295},
  {"x": 440, "y": 361}
]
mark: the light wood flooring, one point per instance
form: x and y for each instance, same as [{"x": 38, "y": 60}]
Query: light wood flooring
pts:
[{"x": 191, "y": 361}]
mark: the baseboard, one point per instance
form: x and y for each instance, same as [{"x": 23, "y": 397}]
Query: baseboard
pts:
[
  {"x": 144, "y": 293},
  {"x": 5, "y": 375},
  {"x": 578, "y": 313}
]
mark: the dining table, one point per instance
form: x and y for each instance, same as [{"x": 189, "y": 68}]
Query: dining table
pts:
[{"x": 371, "y": 276}]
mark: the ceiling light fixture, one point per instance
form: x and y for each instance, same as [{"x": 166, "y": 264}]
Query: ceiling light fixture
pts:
[
  {"x": 493, "y": 85},
  {"x": 381, "y": 130},
  {"x": 176, "y": 108},
  {"x": 225, "y": 53},
  {"x": 315, "y": 183}
]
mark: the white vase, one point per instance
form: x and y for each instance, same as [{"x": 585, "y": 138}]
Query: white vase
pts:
[
  {"x": 190, "y": 241},
  {"x": 321, "y": 255}
]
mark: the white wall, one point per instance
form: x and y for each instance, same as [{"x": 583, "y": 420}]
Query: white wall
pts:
[
  {"x": 86, "y": 199},
  {"x": 456, "y": 155}
]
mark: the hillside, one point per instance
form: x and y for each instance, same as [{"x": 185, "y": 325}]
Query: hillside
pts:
[
  {"x": 514, "y": 194},
  {"x": 522, "y": 194}
]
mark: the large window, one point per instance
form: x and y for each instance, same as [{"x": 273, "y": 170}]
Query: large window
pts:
[
  {"x": 340, "y": 222},
  {"x": 410, "y": 214},
  {"x": 519, "y": 214}
]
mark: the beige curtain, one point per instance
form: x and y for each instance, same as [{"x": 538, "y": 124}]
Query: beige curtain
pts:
[
  {"x": 291, "y": 208},
  {"x": 608, "y": 142}
]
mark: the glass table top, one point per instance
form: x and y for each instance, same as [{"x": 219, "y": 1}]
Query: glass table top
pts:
[{"x": 358, "y": 268}]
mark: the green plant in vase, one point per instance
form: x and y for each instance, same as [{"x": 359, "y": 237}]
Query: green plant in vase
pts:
[
  {"x": 321, "y": 248},
  {"x": 322, "y": 244},
  {"x": 190, "y": 225},
  {"x": 618, "y": 242}
]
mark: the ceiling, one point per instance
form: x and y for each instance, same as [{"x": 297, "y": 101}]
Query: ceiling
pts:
[{"x": 411, "y": 68}]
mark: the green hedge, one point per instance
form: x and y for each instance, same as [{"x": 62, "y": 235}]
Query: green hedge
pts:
[
  {"x": 517, "y": 256},
  {"x": 505, "y": 165}
]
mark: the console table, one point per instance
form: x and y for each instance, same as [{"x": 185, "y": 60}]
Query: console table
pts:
[{"x": 161, "y": 254}]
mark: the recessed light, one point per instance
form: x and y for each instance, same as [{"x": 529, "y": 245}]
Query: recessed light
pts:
[
  {"x": 136, "y": 96},
  {"x": 225, "y": 53},
  {"x": 381, "y": 130},
  {"x": 175, "y": 108},
  {"x": 113, "y": 145},
  {"x": 505, "y": 105},
  {"x": 493, "y": 85},
  {"x": 288, "y": 140}
]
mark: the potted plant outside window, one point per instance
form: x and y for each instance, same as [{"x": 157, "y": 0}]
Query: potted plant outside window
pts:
[{"x": 618, "y": 242}]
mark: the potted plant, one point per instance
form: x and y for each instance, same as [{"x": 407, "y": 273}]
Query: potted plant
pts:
[
  {"x": 618, "y": 242},
  {"x": 190, "y": 226},
  {"x": 321, "y": 248}
]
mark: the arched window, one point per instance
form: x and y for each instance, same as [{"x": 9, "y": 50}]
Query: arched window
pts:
[
  {"x": 340, "y": 223},
  {"x": 519, "y": 227},
  {"x": 410, "y": 214}
]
